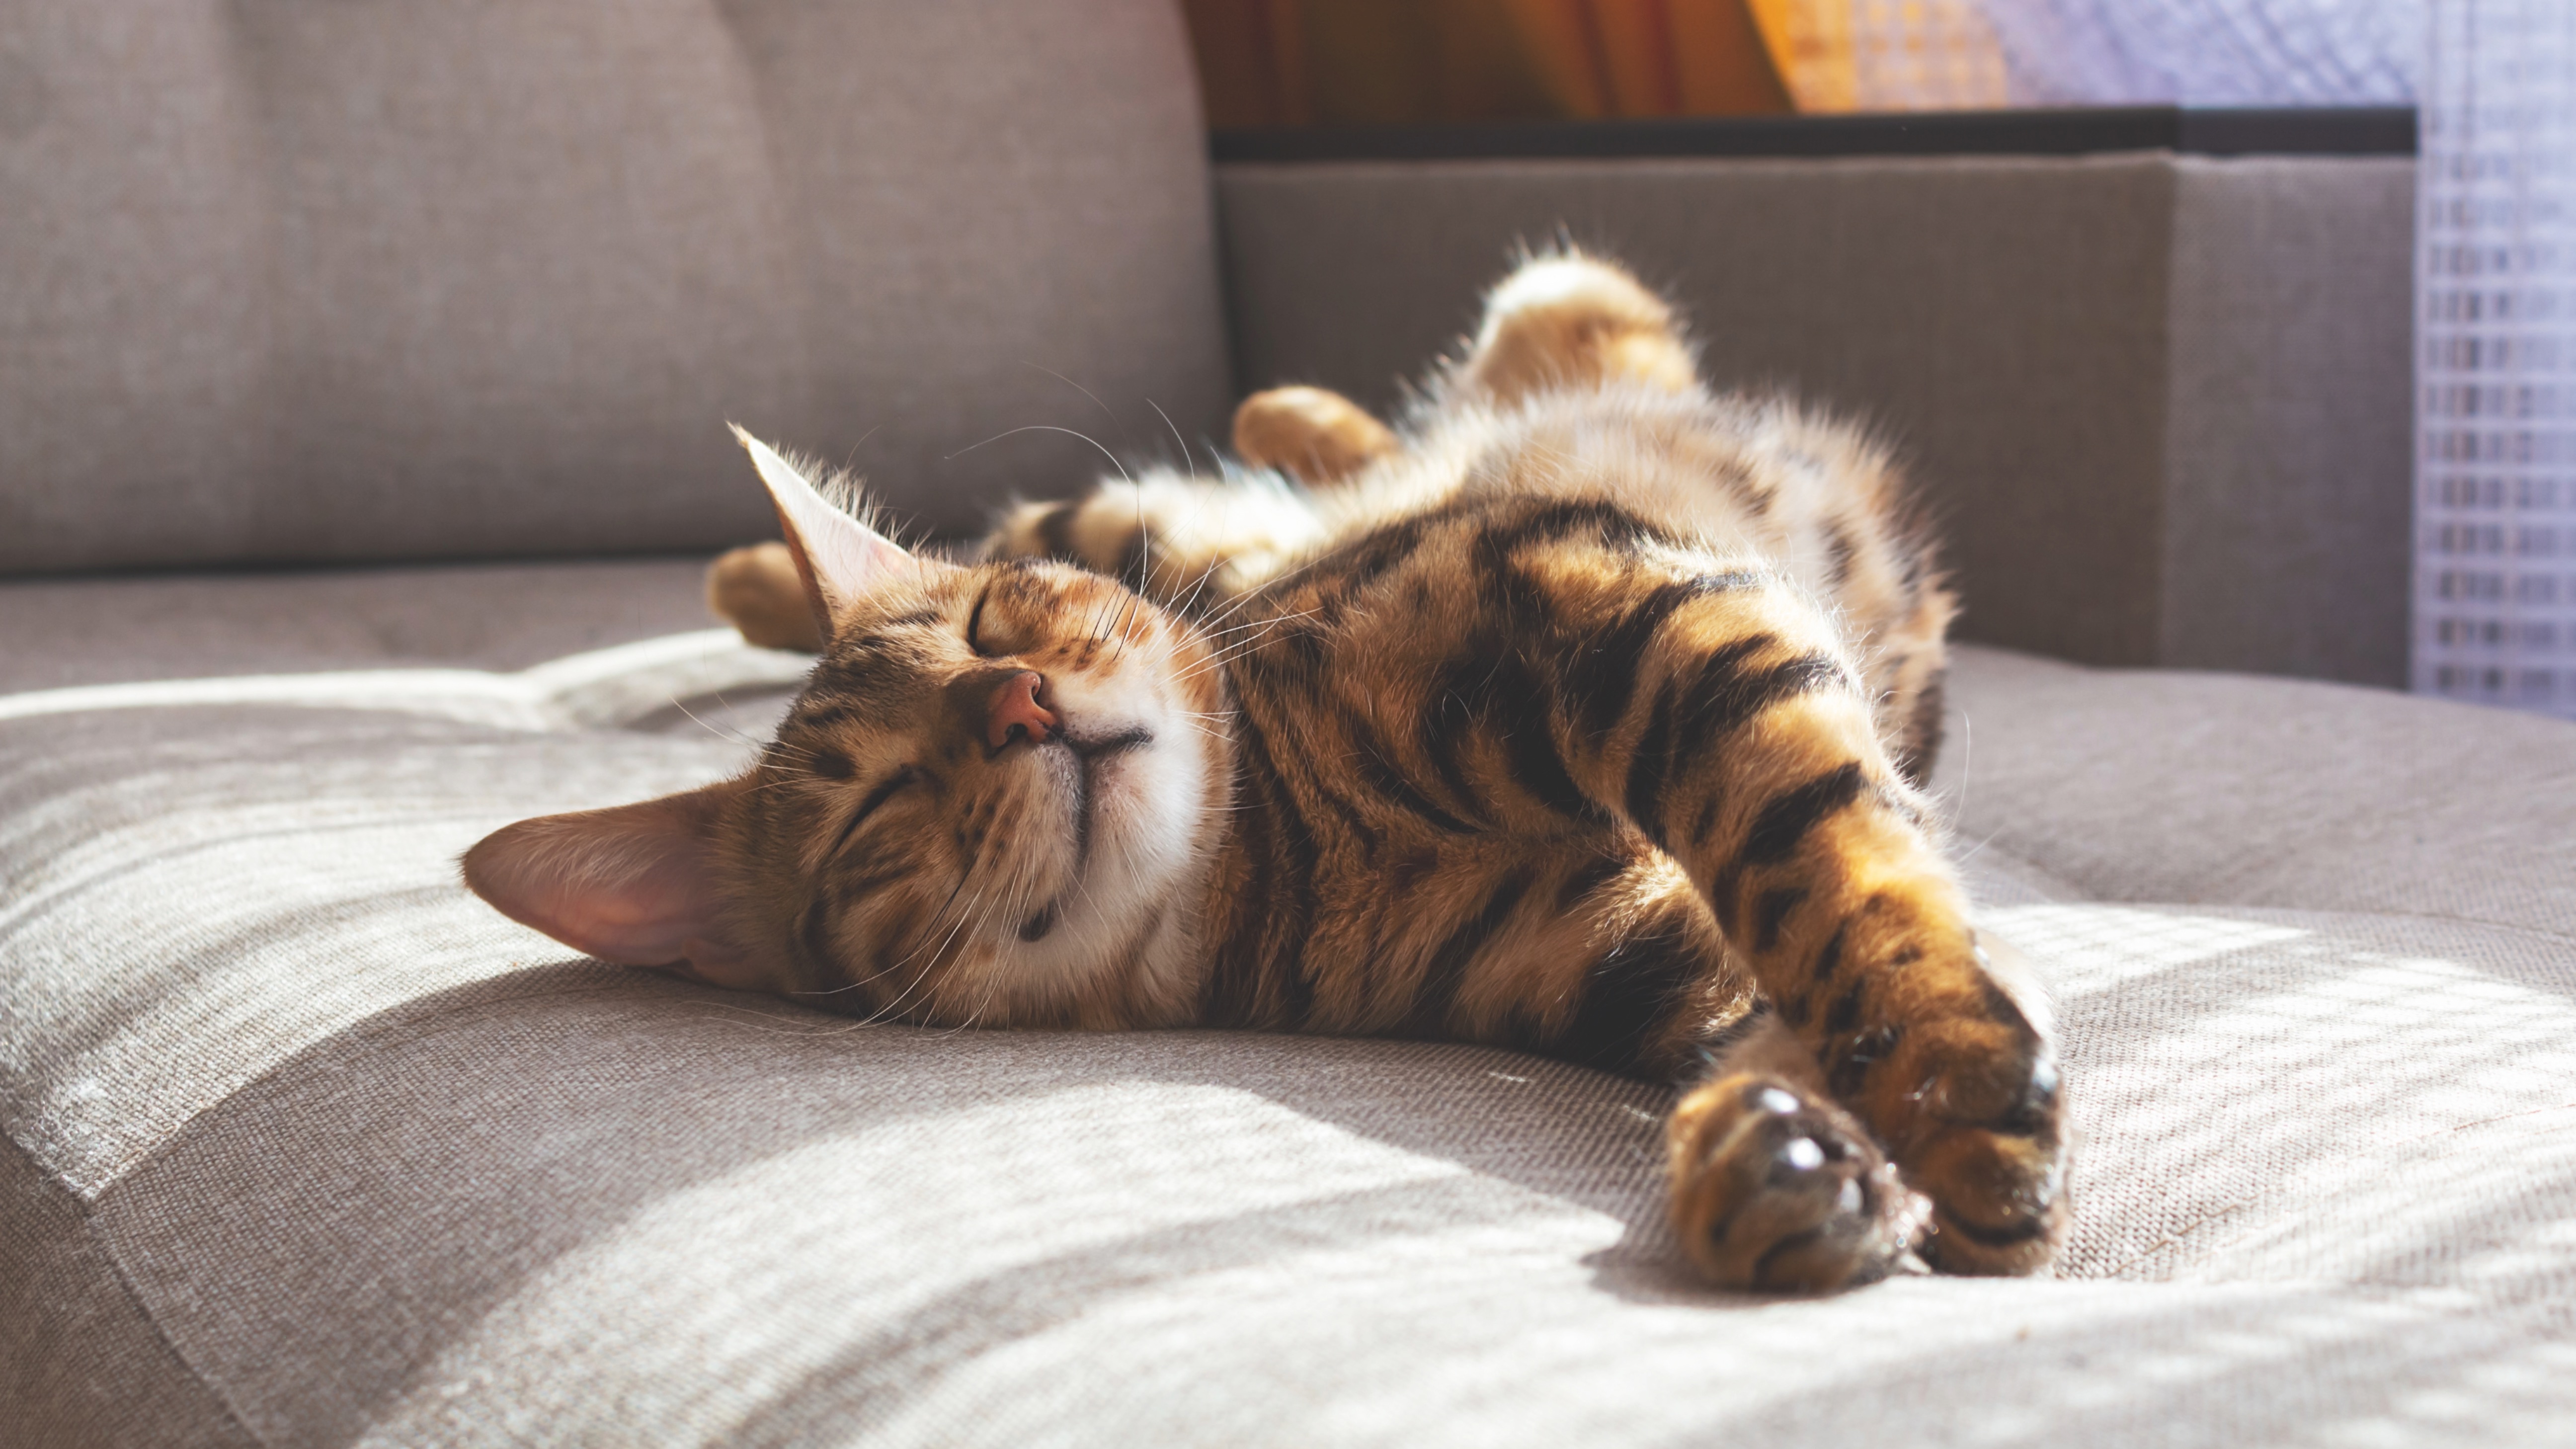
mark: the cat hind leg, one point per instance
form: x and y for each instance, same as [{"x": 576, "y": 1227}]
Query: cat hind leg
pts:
[{"x": 1567, "y": 320}]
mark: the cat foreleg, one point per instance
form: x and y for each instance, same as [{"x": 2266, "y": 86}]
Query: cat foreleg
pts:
[
  {"x": 1183, "y": 541},
  {"x": 1718, "y": 714}
]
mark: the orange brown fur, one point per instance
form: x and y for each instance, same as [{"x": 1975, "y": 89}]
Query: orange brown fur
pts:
[
  {"x": 1585, "y": 717},
  {"x": 1316, "y": 436},
  {"x": 756, "y": 590}
]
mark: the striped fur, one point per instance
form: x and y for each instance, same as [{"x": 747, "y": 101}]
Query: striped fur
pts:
[{"x": 1582, "y": 715}]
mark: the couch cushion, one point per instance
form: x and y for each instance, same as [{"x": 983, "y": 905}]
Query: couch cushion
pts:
[
  {"x": 295, "y": 281},
  {"x": 2232, "y": 790},
  {"x": 498, "y": 616},
  {"x": 373, "y": 1165}
]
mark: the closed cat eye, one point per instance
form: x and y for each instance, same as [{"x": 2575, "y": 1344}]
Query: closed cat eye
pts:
[
  {"x": 884, "y": 791},
  {"x": 975, "y": 626}
]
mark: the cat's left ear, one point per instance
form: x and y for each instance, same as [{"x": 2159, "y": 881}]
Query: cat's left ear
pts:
[
  {"x": 632, "y": 886},
  {"x": 838, "y": 558}
]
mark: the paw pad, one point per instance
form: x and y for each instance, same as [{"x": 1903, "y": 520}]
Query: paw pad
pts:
[{"x": 1778, "y": 1191}]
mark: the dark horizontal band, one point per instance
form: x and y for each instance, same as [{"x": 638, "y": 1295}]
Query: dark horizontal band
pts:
[{"x": 2321, "y": 131}]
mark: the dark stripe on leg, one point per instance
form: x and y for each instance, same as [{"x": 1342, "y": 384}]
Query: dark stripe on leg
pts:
[
  {"x": 1649, "y": 763},
  {"x": 1457, "y": 702},
  {"x": 1787, "y": 818},
  {"x": 1552, "y": 519},
  {"x": 1794, "y": 1007},
  {"x": 1272, "y": 943},
  {"x": 1922, "y": 742},
  {"x": 1529, "y": 747},
  {"x": 1844, "y": 1014},
  {"x": 1436, "y": 996},
  {"x": 1604, "y": 676},
  {"x": 1726, "y": 696},
  {"x": 1627, "y": 994},
  {"x": 1770, "y": 912}
]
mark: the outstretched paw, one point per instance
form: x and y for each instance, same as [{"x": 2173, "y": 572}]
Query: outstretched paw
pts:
[
  {"x": 1972, "y": 1104},
  {"x": 1777, "y": 1189},
  {"x": 1993, "y": 1160}
]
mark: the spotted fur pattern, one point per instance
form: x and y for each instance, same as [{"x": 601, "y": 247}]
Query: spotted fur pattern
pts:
[{"x": 1584, "y": 715}]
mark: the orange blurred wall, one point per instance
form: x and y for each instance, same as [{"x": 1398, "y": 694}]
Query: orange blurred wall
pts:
[
  {"x": 1353, "y": 62},
  {"x": 1358, "y": 62}
]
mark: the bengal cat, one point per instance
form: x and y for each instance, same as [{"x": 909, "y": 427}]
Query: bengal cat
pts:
[{"x": 1585, "y": 715}]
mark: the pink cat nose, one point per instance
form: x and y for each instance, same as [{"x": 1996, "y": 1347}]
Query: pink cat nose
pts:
[{"x": 1017, "y": 713}]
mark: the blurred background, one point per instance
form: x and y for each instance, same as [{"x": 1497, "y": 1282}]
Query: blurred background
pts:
[
  {"x": 1359, "y": 62},
  {"x": 2492, "y": 89}
]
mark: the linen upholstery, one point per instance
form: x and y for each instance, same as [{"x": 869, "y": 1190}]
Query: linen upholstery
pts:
[
  {"x": 498, "y": 616},
  {"x": 324, "y": 1152},
  {"x": 366, "y": 280},
  {"x": 2159, "y": 404}
]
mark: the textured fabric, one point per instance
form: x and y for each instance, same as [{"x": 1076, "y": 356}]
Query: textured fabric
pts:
[
  {"x": 57, "y": 632},
  {"x": 2226, "y": 790},
  {"x": 298, "y": 281},
  {"x": 2158, "y": 405},
  {"x": 2287, "y": 437},
  {"x": 80, "y": 1362},
  {"x": 378, "y": 1167}
]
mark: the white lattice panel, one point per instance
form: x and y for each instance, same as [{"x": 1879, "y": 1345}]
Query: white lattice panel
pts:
[{"x": 2495, "y": 495}]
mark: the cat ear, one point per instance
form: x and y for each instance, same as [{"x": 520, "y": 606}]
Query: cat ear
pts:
[
  {"x": 633, "y": 886},
  {"x": 838, "y": 558}
]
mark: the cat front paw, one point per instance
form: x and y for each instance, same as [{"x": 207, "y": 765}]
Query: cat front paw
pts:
[
  {"x": 1997, "y": 1180},
  {"x": 1778, "y": 1190},
  {"x": 758, "y": 591}
]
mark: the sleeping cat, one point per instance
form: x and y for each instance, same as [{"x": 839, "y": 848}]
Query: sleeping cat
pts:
[{"x": 1583, "y": 716}]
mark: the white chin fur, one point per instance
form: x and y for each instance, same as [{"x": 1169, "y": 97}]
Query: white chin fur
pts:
[{"x": 1145, "y": 827}]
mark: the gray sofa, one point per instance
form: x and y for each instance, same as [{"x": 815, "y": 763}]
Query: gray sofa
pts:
[{"x": 357, "y": 360}]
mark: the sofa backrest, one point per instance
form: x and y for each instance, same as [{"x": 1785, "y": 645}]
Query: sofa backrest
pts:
[{"x": 287, "y": 281}]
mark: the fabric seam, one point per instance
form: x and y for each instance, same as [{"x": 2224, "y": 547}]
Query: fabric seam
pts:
[{"x": 125, "y": 1283}]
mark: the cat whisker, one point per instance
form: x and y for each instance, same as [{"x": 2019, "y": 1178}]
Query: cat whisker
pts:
[
  {"x": 1980, "y": 845},
  {"x": 723, "y": 734},
  {"x": 882, "y": 1012},
  {"x": 849, "y": 460},
  {"x": 999, "y": 968},
  {"x": 1186, "y": 461},
  {"x": 1238, "y": 650},
  {"x": 1077, "y": 387},
  {"x": 1050, "y": 428}
]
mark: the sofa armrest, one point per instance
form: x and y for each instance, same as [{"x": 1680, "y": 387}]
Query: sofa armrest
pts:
[{"x": 2159, "y": 404}]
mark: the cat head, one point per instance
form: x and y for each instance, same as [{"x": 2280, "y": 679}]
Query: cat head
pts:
[{"x": 990, "y": 802}]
